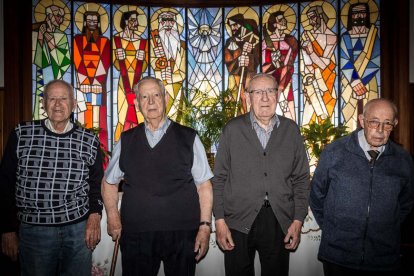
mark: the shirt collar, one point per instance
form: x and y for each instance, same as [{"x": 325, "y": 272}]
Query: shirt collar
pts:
[
  {"x": 163, "y": 128},
  {"x": 49, "y": 125},
  {"x": 365, "y": 146},
  {"x": 273, "y": 122}
]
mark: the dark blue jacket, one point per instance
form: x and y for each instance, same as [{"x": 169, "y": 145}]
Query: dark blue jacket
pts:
[{"x": 360, "y": 208}]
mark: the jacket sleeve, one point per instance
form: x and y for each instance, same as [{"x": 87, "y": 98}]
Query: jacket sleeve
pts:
[
  {"x": 300, "y": 179},
  {"x": 221, "y": 172},
  {"x": 95, "y": 178},
  {"x": 319, "y": 187},
  {"x": 406, "y": 197},
  {"x": 8, "y": 170}
]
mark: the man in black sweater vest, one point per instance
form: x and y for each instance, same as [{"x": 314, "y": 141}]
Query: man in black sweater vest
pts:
[{"x": 167, "y": 200}]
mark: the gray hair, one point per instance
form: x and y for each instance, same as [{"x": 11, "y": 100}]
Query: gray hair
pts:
[
  {"x": 374, "y": 101},
  {"x": 149, "y": 78},
  {"x": 261, "y": 75},
  {"x": 67, "y": 85}
]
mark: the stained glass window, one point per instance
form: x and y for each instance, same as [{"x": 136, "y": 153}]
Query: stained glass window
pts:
[{"x": 325, "y": 56}]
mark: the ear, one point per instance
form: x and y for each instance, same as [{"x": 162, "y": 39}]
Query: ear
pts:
[
  {"x": 361, "y": 120},
  {"x": 395, "y": 122},
  {"x": 136, "y": 104}
]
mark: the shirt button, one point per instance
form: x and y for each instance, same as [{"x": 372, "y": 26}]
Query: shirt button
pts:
[
  {"x": 265, "y": 174},
  {"x": 264, "y": 153}
]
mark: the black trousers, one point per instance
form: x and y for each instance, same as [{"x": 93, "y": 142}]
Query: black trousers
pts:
[
  {"x": 330, "y": 269},
  {"x": 142, "y": 253},
  {"x": 266, "y": 236}
]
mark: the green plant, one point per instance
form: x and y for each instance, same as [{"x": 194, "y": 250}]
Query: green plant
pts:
[
  {"x": 206, "y": 114},
  {"x": 317, "y": 136}
]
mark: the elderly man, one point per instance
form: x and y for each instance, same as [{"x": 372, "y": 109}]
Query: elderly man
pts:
[
  {"x": 51, "y": 173},
  {"x": 260, "y": 184},
  {"x": 362, "y": 190},
  {"x": 167, "y": 201}
]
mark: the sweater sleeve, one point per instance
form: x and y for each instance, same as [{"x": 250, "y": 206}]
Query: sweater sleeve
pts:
[
  {"x": 406, "y": 198},
  {"x": 8, "y": 168},
  {"x": 300, "y": 179},
  {"x": 221, "y": 171},
  {"x": 95, "y": 177}
]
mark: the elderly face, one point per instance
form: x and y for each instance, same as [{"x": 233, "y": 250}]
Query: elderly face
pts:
[
  {"x": 377, "y": 123},
  {"x": 151, "y": 101},
  {"x": 262, "y": 98},
  {"x": 59, "y": 103}
]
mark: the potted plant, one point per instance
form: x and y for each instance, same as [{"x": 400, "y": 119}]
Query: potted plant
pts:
[
  {"x": 207, "y": 115},
  {"x": 318, "y": 135}
]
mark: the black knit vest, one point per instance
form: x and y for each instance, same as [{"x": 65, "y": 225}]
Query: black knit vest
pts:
[{"x": 159, "y": 189}]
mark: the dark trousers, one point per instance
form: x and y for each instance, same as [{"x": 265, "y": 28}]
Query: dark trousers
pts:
[
  {"x": 266, "y": 236},
  {"x": 142, "y": 253},
  {"x": 330, "y": 269}
]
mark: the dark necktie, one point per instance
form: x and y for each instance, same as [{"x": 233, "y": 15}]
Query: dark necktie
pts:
[{"x": 374, "y": 155}]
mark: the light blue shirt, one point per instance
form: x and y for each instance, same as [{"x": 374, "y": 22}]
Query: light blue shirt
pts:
[
  {"x": 365, "y": 146},
  {"x": 263, "y": 134},
  {"x": 200, "y": 170}
]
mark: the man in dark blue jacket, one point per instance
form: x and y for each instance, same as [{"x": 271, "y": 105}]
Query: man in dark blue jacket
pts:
[{"x": 361, "y": 191}]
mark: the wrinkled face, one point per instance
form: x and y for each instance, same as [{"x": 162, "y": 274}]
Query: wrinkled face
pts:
[
  {"x": 151, "y": 101},
  {"x": 280, "y": 23},
  {"x": 262, "y": 104},
  {"x": 59, "y": 103},
  {"x": 132, "y": 22},
  {"x": 314, "y": 19},
  {"x": 167, "y": 22},
  {"x": 359, "y": 15},
  {"x": 380, "y": 112},
  {"x": 92, "y": 22}
]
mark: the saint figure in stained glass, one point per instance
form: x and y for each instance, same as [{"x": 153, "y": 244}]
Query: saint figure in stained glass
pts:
[
  {"x": 360, "y": 54},
  {"x": 205, "y": 38},
  {"x": 241, "y": 52},
  {"x": 92, "y": 58},
  {"x": 279, "y": 51},
  {"x": 130, "y": 56},
  {"x": 168, "y": 54},
  {"x": 318, "y": 43},
  {"x": 51, "y": 54}
]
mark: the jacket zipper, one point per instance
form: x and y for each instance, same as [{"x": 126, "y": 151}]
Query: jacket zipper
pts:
[{"x": 368, "y": 212}]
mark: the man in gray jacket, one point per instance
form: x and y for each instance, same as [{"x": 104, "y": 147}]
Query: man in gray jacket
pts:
[
  {"x": 362, "y": 190},
  {"x": 261, "y": 185}
]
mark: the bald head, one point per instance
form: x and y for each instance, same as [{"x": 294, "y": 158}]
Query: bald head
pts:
[{"x": 380, "y": 103}]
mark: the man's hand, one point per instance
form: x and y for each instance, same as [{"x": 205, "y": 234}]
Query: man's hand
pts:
[
  {"x": 223, "y": 235},
  {"x": 247, "y": 47},
  {"x": 159, "y": 51},
  {"x": 93, "y": 231},
  {"x": 114, "y": 226},
  {"x": 202, "y": 241},
  {"x": 292, "y": 239},
  {"x": 10, "y": 245},
  {"x": 167, "y": 75}
]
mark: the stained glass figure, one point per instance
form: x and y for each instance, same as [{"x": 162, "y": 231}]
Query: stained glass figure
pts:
[
  {"x": 92, "y": 58},
  {"x": 318, "y": 61},
  {"x": 360, "y": 57},
  {"x": 241, "y": 51},
  {"x": 168, "y": 53},
  {"x": 50, "y": 47},
  {"x": 130, "y": 58},
  {"x": 204, "y": 50},
  {"x": 279, "y": 51}
]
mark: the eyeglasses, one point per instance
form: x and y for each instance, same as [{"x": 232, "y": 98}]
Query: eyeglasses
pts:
[
  {"x": 271, "y": 92},
  {"x": 388, "y": 126}
]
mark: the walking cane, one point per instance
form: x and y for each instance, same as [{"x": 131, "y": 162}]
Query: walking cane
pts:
[{"x": 114, "y": 257}]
